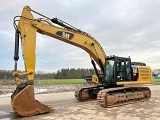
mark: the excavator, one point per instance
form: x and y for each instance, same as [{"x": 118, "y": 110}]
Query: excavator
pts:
[{"x": 117, "y": 76}]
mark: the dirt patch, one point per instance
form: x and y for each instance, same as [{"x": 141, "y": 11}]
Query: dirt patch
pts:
[
  {"x": 46, "y": 88},
  {"x": 7, "y": 88},
  {"x": 68, "y": 108}
]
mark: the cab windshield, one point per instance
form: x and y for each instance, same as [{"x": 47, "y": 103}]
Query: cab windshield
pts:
[{"x": 109, "y": 70}]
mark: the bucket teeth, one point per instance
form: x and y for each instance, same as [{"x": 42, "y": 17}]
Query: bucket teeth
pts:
[{"x": 24, "y": 103}]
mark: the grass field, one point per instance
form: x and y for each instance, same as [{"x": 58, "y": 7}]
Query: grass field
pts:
[
  {"x": 65, "y": 81},
  {"x": 60, "y": 81},
  {"x": 156, "y": 81},
  {"x": 73, "y": 81}
]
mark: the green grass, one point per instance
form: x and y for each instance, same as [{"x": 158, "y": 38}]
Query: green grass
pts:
[
  {"x": 74, "y": 81},
  {"x": 60, "y": 81},
  {"x": 156, "y": 81}
]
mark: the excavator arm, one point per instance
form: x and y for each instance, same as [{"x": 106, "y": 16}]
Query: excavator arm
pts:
[
  {"x": 28, "y": 27},
  {"x": 23, "y": 100}
]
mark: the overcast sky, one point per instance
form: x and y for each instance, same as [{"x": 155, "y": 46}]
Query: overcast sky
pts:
[{"x": 122, "y": 27}]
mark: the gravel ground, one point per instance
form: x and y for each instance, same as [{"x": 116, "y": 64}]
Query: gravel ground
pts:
[
  {"x": 45, "y": 88},
  {"x": 61, "y": 98}
]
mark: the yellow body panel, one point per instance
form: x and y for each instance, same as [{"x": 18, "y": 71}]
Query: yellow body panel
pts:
[
  {"x": 95, "y": 79},
  {"x": 144, "y": 76}
]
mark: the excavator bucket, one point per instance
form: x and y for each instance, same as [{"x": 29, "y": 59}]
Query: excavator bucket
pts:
[{"x": 24, "y": 103}]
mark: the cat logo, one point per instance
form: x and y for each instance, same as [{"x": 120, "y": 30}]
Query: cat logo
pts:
[{"x": 65, "y": 35}]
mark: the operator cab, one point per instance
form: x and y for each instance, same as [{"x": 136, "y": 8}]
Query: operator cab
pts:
[{"x": 118, "y": 69}]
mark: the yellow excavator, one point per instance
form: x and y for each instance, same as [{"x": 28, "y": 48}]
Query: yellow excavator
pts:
[{"x": 116, "y": 78}]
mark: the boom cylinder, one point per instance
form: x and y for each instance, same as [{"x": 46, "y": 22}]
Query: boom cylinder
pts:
[
  {"x": 16, "y": 49},
  {"x": 96, "y": 71}
]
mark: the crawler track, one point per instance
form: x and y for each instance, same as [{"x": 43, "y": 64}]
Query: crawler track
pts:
[
  {"x": 111, "y": 97},
  {"x": 85, "y": 94},
  {"x": 124, "y": 95}
]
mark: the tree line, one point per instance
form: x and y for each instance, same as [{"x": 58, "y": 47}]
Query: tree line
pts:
[{"x": 69, "y": 73}]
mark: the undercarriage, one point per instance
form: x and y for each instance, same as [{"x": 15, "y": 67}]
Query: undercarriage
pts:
[{"x": 113, "y": 96}]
